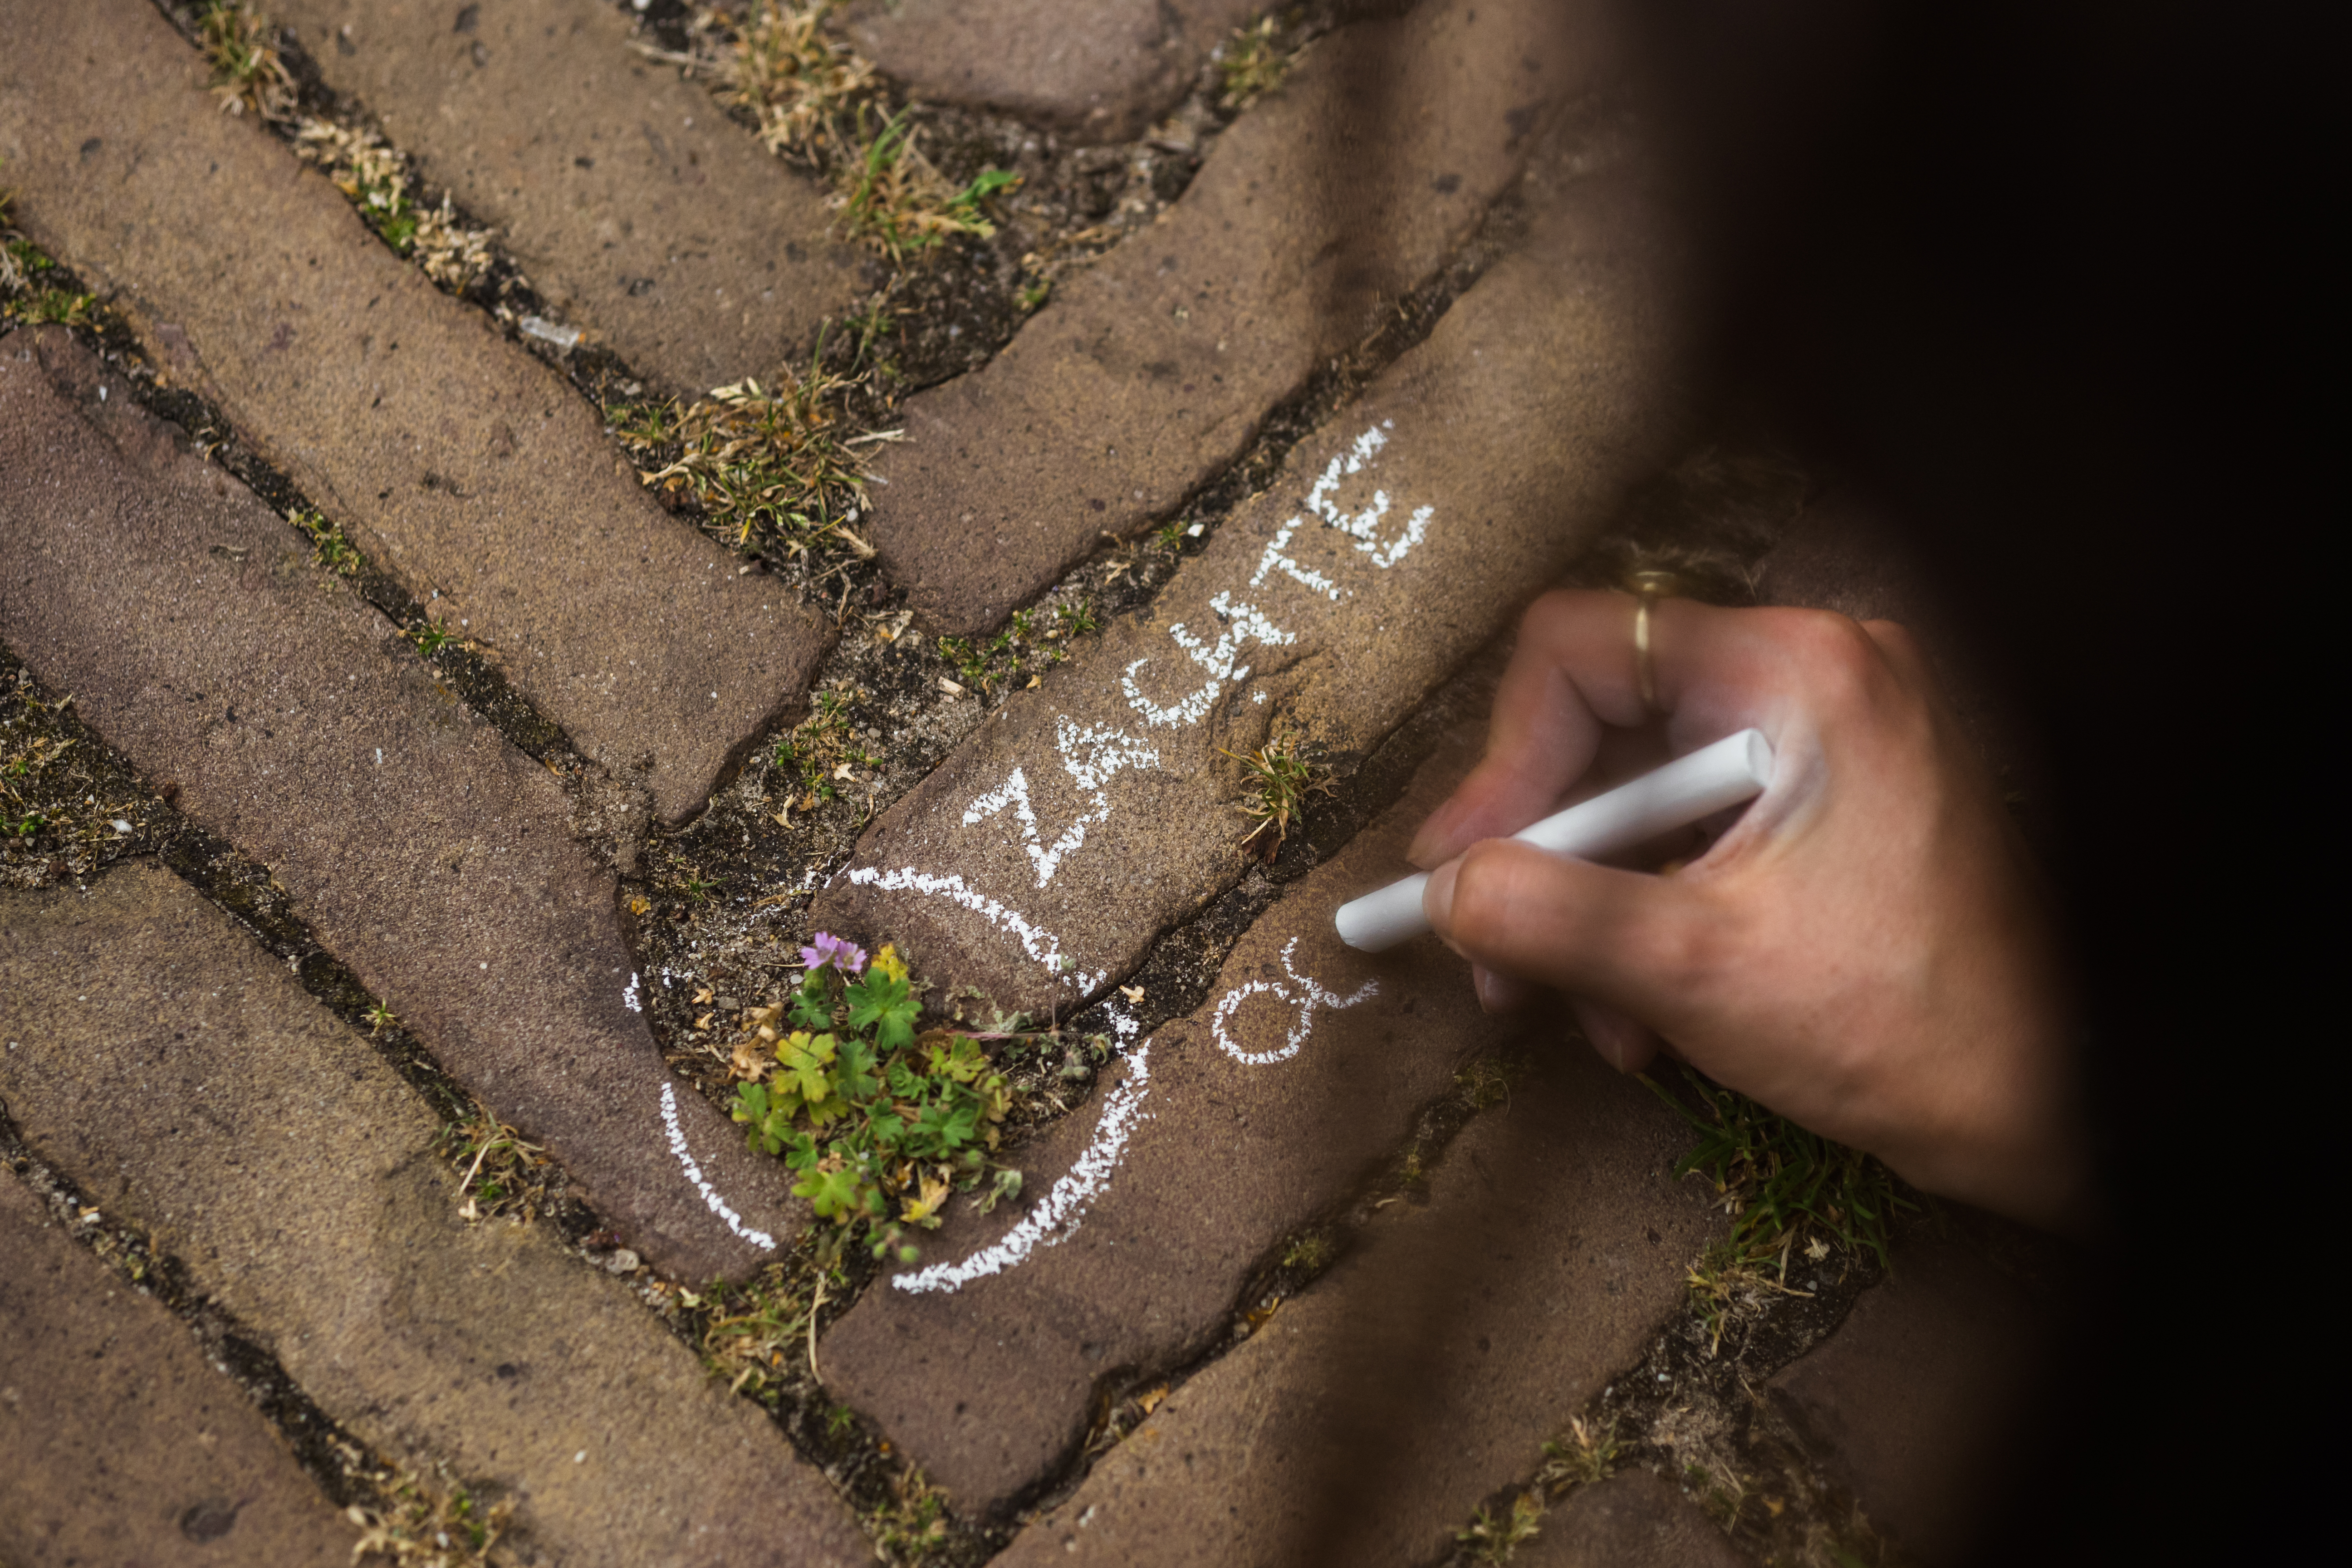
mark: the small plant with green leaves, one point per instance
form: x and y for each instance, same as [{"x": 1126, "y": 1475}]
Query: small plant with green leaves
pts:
[
  {"x": 248, "y": 73},
  {"x": 1786, "y": 1187},
  {"x": 1253, "y": 62},
  {"x": 880, "y": 1124},
  {"x": 380, "y": 1018},
  {"x": 775, "y": 471},
  {"x": 1496, "y": 1535},
  {"x": 429, "y": 636},
  {"x": 1279, "y": 777},
  {"x": 891, "y": 196},
  {"x": 1032, "y": 642},
  {"x": 821, "y": 744},
  {"x": 328, "y": 547}
]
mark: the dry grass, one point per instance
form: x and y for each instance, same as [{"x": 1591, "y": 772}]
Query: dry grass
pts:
[
  {"x": 1253, "y": 62},
  {"x": 773, "y": 469},
  {"x": 437, "y": 1525},
  {"x": 247, "y": 72},
  {"x": 375, "y": 179},
  {"x": 778, "y": 63}
]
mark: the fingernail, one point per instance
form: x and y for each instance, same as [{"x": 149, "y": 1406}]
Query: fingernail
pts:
[{"x": 1437, "y": 897}]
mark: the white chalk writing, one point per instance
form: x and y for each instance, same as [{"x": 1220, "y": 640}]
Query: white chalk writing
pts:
[
  {"x": 1244, "y": 622},
  {"x": 1041, "y": 945},
  {"x": 1058, "y": 1215},
  {"x": 759, "y": 1238},
  {"x": 1309, "y": 997}
]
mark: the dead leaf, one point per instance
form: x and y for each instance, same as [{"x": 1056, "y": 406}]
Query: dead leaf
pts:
[
  {"x": 702, "y": 996},
  {"x": 949, "y": 687},
  {"x": 1132, "y": 992}
]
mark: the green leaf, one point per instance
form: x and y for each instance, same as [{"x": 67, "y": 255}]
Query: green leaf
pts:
[
  {"x": 882, "y": 1003},
  {"x": 806, "y": 1059},
  {"x": 855, "y": 1075},
  {"x": 834, "y": 1195},
  {"x": 813, "y": 1003}
]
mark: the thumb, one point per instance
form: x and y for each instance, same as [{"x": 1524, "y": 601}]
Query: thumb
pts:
[{"x": 1632, "y": 942}]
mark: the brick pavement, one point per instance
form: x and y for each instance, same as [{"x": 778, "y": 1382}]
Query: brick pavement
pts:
[
  {"x": 463, "y": 466},
  {"x": 118, "y": 1444},
  {"x": 1229, "y": 1130},
  {"x": 179, "y": 1076},
  {"x": 640, "y": 212},
  {"x": 1365, "y": 1420},
  {"x": 298, "y": 1185},
  {"x": 1150, "y": 370},
  {"x": 1103, "y": 73},
  {"x": 1399, "y": 539},
  {"x": 425, "y": 851}
]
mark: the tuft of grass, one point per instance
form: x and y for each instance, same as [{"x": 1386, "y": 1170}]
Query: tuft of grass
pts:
[
  {"x": 1032, "y": 642},
  {"x": 1253, "y": 62},
  {"x": 429, "y": 1526},
  {"x": 43, "y": 307},
  {"x": 778, "y": 65},
  {"x": 912, "y": 1523},
  {"x": 248, "y": 71},
  {"x": 1280, "y": 776},
  {"x": 756, "y": 1334},
  {"x": 503, "y": 1174},
  {"x": 1787, "y": 1187},
  {"x": 329, "y": 548},
  {"x": 375, "y": 179},
  {"x": 891, "y": 197},
  {"x": 775, "y": 471},
  {"x": 880, "y": 1124},
  {"x": 820, "y": 744},
  {"x": 1311, "y": 1253},
  {"x": 1494, "y": 1536},
  {"x": 1577, "y": 1457}
]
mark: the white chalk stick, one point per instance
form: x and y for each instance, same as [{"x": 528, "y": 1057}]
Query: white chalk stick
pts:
[{"x": 1734, "y": 769}]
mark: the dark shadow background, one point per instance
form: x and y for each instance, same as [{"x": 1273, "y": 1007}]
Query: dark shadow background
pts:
[{"x": 2041, "y": 280}]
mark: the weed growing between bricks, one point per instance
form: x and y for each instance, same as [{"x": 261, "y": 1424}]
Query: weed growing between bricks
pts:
[
  {"x": 403, "y": 1517},
  {"x": 1814, "y": 1221},
  {"x": 741, "y": 1332}
]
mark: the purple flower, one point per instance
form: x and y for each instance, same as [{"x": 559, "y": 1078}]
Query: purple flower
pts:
[{"x": 846, "y": 956}]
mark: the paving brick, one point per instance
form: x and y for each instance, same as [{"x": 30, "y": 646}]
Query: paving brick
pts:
[
  {"x": 117, "y": 1443},
  {"x": 459, "y": 462},
  {"x": 181, "y": 1076},
  {"x": 1365, "y": 1421},
  {"x": 1150, "y": 372},
  {"x": 1403, "y": 537},
  {"x": 1236, "y": 1137},
  {"x": 424, "y": 851},
  {"x": 1631, "y": 1520},
  {"x": 1101, "y": 73},
  {"x": 1916, "y": 1404},
  {"x": 637, "y": 208}
]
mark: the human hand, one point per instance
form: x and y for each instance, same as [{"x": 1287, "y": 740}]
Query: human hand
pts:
[{"x": 1864, "y": 951}]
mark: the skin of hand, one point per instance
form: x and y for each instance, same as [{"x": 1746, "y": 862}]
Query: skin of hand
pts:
[{"x": 1865, "y": 951}]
